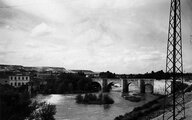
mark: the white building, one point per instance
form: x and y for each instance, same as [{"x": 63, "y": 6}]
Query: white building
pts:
[{"x": 18, "y": 80}]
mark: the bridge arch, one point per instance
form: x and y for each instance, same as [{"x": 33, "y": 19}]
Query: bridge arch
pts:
[
  {"x": 109, "y": 85},
  {"x": 96, "y": 86},
  {"x": 133, "y": 86},
  {"x": 149, "y": 88},
  {"x": 137, "y": 84},
  {"x": 106, "y": 84}
]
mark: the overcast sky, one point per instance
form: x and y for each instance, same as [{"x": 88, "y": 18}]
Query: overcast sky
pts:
[{"x": 122, "y": 36}]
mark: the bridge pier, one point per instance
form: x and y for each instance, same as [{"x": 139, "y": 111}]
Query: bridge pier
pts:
[
  {"x": 142, "y": 86},
  {"x": 104, "y": 85},
  {"x": 125, "y": 87}
]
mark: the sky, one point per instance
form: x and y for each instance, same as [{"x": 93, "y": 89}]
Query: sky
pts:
[{"x": 121, "y": 36}]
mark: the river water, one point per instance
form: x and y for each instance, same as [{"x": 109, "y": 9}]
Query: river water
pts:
[{"x": 68, "y": 109}]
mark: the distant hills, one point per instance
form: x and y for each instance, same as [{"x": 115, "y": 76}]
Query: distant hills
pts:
[
  {"x": 156, "y": 75},
  {"x": 4, "y": 67}
]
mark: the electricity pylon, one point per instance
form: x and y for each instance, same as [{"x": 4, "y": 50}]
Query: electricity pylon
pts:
[{"x": 175, "y": 108}]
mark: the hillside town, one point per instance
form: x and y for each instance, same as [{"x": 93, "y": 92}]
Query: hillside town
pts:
[{"x": 18, "y": 75}]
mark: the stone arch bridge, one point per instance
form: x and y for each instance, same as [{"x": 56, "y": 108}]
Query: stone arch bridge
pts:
[{"x": 142, "y": 84}]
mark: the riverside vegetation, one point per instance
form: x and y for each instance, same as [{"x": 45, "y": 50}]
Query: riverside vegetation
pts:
[
  {"x": 94, "y": 99},
  {"x": 68, "y": 83},
  {"x": 15, "y": 104}
]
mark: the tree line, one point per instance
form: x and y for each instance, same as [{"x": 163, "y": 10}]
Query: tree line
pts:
[{"x": 68, "y": 83}]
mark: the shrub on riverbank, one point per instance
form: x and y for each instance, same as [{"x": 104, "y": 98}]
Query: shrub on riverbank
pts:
[
  {"x": 94, "y": 99},
  {"x": 133, "y": 98},
  {"x": 43, "y": 111}
]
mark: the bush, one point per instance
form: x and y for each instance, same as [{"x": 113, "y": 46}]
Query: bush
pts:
[
  {"x": 94, "y": 99},
  {"x": 14, "y": 105},
  {"x": 133, "y": 98},
  {"x": 86, "y": 98},
  {"x": 43, "y": 111},
  {"x": 79, "y": 98}
]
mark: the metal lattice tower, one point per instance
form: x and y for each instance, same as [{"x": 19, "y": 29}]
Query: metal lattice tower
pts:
[{"x": 174, "y": 65}]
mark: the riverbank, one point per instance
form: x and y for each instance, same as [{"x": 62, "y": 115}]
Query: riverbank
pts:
[
  {"x": 154, "y": 110},
  {"x": 139, "y": 112},
  {"x": 157, "y": 115}
]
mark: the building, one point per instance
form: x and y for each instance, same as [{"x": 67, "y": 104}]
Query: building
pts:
[
  {"x": 18, "y": 80},
  {"x": 4, "y": 80}
]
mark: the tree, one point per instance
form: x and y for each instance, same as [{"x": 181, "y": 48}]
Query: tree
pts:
[
  {"x": 43, "y": 111},
  {"x": 14, "y": 105},
  {"x": 17, "y": 105},
  {"x": 107, "y": 75}
]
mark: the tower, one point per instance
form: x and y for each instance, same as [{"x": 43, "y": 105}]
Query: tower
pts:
[{"x": 174, "y": 66}]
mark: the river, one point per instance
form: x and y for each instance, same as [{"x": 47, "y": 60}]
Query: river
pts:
[{"x": 68, "y": 109}]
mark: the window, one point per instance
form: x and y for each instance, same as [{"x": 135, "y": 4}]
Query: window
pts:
[
  {"x": 11, "y": 84},
  {"x": 15, "y": 84},
  {"x": 19, "y": 84}
]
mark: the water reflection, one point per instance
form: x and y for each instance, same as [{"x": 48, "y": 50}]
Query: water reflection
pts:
[
  {"x": 106, "y": 107},
  {"x": 54, "y": 99},
  {"x": 67, "y": 108}
]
